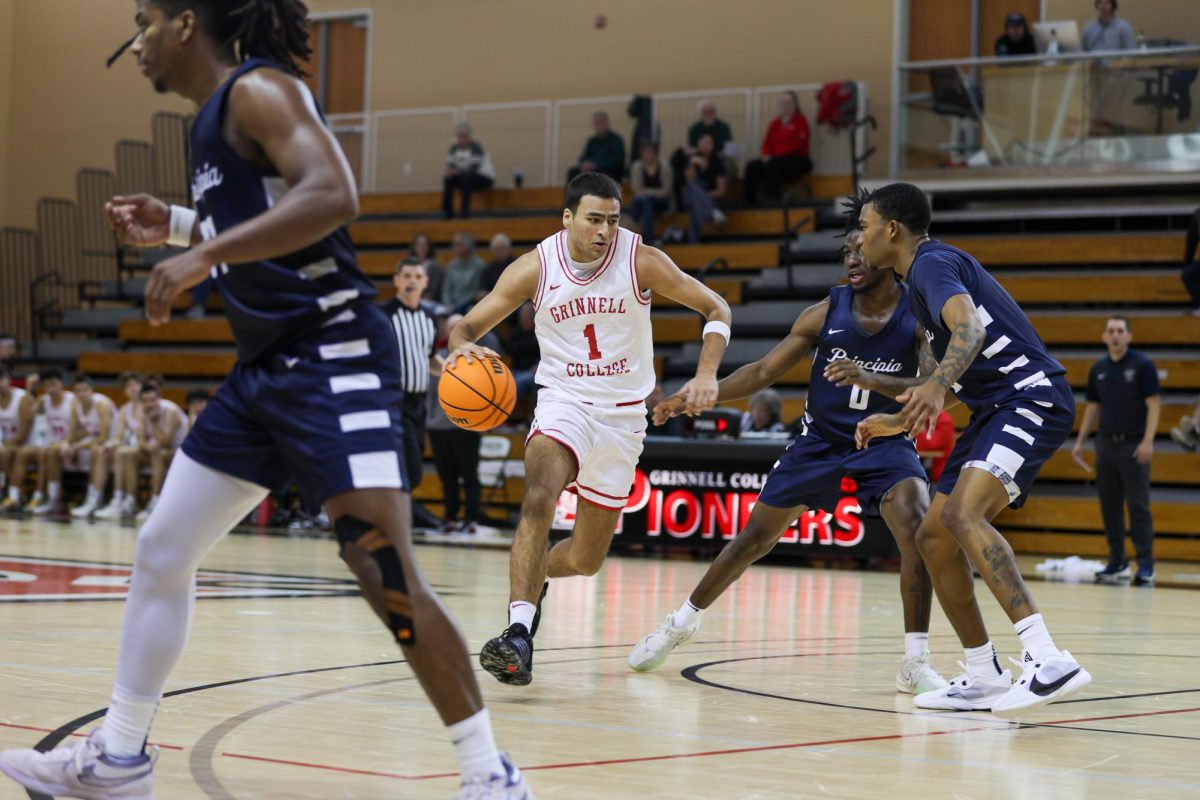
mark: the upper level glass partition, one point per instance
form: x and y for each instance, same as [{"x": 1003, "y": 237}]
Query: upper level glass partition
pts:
[{"x": 1116, "y": 111}]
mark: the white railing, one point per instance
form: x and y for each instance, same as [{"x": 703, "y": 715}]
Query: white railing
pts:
[{"x": 404, "y": 150}]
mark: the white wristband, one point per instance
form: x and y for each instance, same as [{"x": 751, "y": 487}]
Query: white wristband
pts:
[
  {"x": 183, "y": 222},
  {"x": 718, "y": 327}
]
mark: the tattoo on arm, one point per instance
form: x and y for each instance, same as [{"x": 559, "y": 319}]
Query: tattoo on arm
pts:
[
  {"x": 925, "y": 357},
  {"x": 965, "y": 343}
]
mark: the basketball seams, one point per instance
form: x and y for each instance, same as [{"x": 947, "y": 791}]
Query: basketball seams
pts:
[
  {"x": 481, "y": 395},
  {"x": 495, "y": 409}
]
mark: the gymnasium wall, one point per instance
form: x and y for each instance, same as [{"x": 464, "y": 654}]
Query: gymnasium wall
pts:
[
  {"x": 6, "y": 16},
  {"x": 67, "y": 110}
]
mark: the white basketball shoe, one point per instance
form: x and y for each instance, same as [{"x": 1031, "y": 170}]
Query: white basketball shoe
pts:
[
  {"x": 917, "y": 676},
  {"x": 653, "y": 650},
  {"x": 967, "y": 692},
  {"x": 80, "y": 768},
  {"x": 509, "y": 786},
  {"x": 1041, "y": 682}
]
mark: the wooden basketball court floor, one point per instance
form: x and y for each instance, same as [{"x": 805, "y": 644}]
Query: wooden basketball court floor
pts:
[{"x": 290, "y": 689}]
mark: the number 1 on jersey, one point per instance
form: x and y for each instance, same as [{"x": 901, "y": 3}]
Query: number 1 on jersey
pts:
[{"x": 593, "y": 349}]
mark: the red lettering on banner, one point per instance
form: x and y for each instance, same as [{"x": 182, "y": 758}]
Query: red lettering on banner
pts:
[
  {"x": 852, "y": 529},
  {"x": 681, "y": 529},
  {"x": 640, "y": 495},
  {"x": 720, "y": 515},
  {"x": 654, "y": 513},
  {"x": 814, "y": 526}
]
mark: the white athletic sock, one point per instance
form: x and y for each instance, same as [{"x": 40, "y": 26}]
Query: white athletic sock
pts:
[
  {"x": 982, "y": 660},
  {"x": 127, "y": 723},
  {"x": 915, "y": 644},
  {"x": 14, "y": 492},
  {"x": 1035, "y": 638},
  {"x": 118, "y": 496},
  {"x": 686, "y": 614},
  {"x": 93, "y": 495},
  {"x": 521, "y": 612},
  {"x": 475, "y": 746},
  {"x": 53, "y": 490}
]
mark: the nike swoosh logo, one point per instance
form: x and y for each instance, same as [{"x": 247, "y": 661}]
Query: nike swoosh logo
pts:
[
  {"x": 1043, "y": 689},
  {"x": 832, "y": 331},
  {"x": 291, "y": 362},
  {"x": 554, "y": 286}
]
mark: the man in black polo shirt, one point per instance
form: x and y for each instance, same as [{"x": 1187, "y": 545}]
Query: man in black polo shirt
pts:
[
  {"x": 416, "y": 331},
  {"x": 1122, "y": 392}
]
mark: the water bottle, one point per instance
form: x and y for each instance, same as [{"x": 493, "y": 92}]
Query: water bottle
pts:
[
  {"x": 1141, "y": 41},
  {"x": 518, "y": 178},
  {"x": 1052, "y": 48}
]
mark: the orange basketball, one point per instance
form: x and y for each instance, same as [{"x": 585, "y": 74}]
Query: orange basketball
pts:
[{"x": 477, "y": 395}]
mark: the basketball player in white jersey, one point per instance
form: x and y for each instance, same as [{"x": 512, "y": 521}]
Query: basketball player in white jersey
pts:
[
  {"x": 86, "y": 450},
  {"x": 58, "y": 406},
  {"x": 124, "y": 434},
  {"x": 162, "y": 427},
  {"x": 16, "y": 421},
  {"x": 591, "y": 285}
]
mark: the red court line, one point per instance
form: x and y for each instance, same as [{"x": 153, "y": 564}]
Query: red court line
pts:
[
  {"x": 710, "y": 753},
  {"x": 83, "y": 735}
]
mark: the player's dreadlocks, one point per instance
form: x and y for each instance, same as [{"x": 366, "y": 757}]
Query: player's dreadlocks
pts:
[
  {"x": 854, "y": 205},
  {"x": 276, "y": 30}
]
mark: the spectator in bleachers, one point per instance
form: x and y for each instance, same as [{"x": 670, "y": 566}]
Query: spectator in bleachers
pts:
[
  {"x": 501, "y": 250},
  {"x": 422, "y": 248},
  {"x": 705, "y": 189},
  {"x": 56, "y": 407},
  {"x": 1188, "y": 432},
  {"x": 934, "y": 447},
  {"x": 124, "y": 434},
  {"x": 785, "y": 152},
  {"x": 604, "y": 151},
  {"x": 88, "y": 433},
  {"x": 1123, "y": 394},
  {"x": 462, "y": 273},
  {"x": 456, "y": 455},
  {"x": 708, "y": 123},
  {"x": 16, "y": 423},
  {"x": 468, "y": 169},
  {"x": 1191, "y": 265},
  {"x": 652, "y": 180},
  {"x": 764, "y": 414},
  {"x": 162, "y": 426},
  {"x": 523, "y": 351},
  {"x": 1106, "y": 32},
  {"x": 195, "y": 402},
  {"x": 8, "y": 356},
  {"x": 1016, "y": 39}
]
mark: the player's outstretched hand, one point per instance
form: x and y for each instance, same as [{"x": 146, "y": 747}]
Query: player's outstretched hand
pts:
[
  {"x": 670, "y": 407},
  {"x": 471, "y": 352},
  {"x": 922, "y": 404},
  {"x": 699, "y": 394},
  {"x": 171, "y": 278},
  {"x": 843, "y": 372},
  {"x": 139, "y": 220},
  {"x": 875, "y": 426}
]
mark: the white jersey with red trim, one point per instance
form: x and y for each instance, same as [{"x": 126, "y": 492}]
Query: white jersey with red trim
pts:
[
  {"x": 58, "y": 417},
  {"x": 90, "y": 420},
  {"x": 10, "y": 416},
  {"x": 593, "y": 329}
]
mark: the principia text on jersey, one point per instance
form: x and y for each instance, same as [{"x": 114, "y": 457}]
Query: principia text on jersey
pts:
[
  {"x": 837, "y": 354},
  {"x": 686, "y": 504},
  {"x": 205, "y": 178}
]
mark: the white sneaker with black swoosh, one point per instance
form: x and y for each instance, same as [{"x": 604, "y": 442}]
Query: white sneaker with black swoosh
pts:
[
  {"x": 1042, "y": 681},
  {"x": 80, "y": 768},
  {"x": 966, "y": 692}
]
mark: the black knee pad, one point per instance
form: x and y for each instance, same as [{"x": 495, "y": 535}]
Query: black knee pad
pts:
[{"x": 351, "y": 530}]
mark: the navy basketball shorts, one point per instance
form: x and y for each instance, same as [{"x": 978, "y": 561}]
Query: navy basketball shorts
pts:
[
  {"x": 810, "y": 472},
  {"x": 1014, "y": 439},
  {"x": 323, "y": 413}
]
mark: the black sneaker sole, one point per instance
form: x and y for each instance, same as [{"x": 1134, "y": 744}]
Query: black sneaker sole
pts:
[{"x": 503, "y": 662}]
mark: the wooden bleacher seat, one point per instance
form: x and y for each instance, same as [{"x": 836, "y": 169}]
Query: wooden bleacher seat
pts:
[{"x": 1047, "y": 250}]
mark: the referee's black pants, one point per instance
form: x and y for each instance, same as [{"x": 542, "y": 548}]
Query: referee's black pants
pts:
[
  {"x": 412, "y": 414},
  {"x": 1120, "y": 479}
]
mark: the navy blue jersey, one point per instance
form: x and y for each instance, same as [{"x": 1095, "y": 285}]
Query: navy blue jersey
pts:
[
  {"x": 272, "y": 302},
  {"x": 1013, "y": 358},
  {"x": 835, "y": 412}
]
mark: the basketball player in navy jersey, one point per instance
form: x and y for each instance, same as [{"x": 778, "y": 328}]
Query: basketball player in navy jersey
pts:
[
  {"x": 991, "y": 358},
  {"x": 313, "y": 397},
  {"x": 863, "y": 333}
]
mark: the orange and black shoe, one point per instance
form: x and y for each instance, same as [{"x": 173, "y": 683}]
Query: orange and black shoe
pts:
[{"x": 509, "y": 657}]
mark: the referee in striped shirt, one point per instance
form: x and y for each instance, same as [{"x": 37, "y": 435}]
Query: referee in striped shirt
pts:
[{"x": 416, "y": 331}]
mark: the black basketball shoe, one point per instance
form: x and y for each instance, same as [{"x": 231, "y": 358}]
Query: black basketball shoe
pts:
[{"x": 509, "y": 657}]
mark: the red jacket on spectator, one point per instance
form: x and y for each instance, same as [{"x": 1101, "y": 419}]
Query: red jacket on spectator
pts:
[
  {"x": 940, "y": 441},
  {"x": 786, "y": 140}
]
